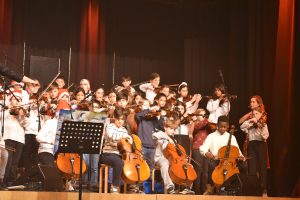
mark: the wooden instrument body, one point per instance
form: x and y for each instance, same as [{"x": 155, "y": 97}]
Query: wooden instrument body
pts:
[
  {"x": 227, "y": 166},
  {"x": 180, "y": 171},
  {"x": 135, "y": 168},
  {"x": 64, "y": 164}
]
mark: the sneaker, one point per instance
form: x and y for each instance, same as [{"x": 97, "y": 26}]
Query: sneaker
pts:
[
  {"x": 209, "y": 190},
  {"x": 265, "y": 194},
  {"x": 114, "y": 189},
  {"x": 187, "y": 191},
  {"x": 171, "y": 190},
  {"x": 134, "y": 189}
]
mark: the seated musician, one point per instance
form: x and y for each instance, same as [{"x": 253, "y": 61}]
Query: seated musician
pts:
[
  {"x": 162, "y": 139},
  {"x": 110, "y": 155},
  {"x": 214, "y": 142}
]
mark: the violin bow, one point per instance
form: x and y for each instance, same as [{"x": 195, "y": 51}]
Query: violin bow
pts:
[{"x": 42, "y": 94}]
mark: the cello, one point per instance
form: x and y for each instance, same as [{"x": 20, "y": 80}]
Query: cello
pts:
[
  {"x": 180, "y": 170},
  {"x": 135, "y": 169},
  {"x": 228, "y": 164},
  {"x": 69, "y": 164}
]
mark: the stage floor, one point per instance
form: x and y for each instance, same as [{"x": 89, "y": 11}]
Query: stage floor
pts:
[{"x": 27, "y": 195}]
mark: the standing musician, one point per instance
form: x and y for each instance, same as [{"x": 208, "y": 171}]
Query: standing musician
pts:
[
  {"x": 60, "y": 80},
  {"x": 219, "y": 104},
  {"x": 162, "y": 139},
  {"x": 215, "y": 141},
  {"x": 148, "y": 123},
  {"x": 148, "y": 88},
  {"x": 99, "y": 95},
  {"x": 200, "y": 132},
  {"x": 192, "y": 102},
  {"x": 110, "y": 155},
  {"x": 257, "y": 130},
  {"x": 35, "y": 121},
  {"x": 78, "y": 98},
  {"x": 14, "y": 135},
  {"x": 3, "y": 160},
  {"x": 86, "y": 86},
  {"x": 184, "y": 133},
  {"x": 127, "y": 89}
]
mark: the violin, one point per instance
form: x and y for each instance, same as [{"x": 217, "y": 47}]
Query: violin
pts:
[
  {"x": 136, "y": 169},
  {"x": 69, "y": 164},
  {"x": 180, "y": 170},
  {"x": 228, "y": 162},
  {"x": 19, "y": 111}
]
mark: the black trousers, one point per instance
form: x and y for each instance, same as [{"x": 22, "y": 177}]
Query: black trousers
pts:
[
  {"x": 199, "y": 185},
  {"x": 257, "y": 150},
  {"x": 30, "y": 151},
  {"x": 116, "y": 163},
  {"x": 13, "y": 160},
  {"x": 46, "y": 158}
]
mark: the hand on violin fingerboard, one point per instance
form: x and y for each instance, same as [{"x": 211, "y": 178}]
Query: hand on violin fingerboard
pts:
[{"x": 209, "y": 155}]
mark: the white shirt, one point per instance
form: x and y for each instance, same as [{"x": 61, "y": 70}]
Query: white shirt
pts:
[
  {"x": 161, "y": 139},
  {"x": 260, "y": 134},
  {"x": 14, "y": 127},
  {"x": 182, "y": 130},
  {"x": 46, "y": 136},
  {"x": 215, "y": 141},
  {"x": 149, "y": 90},
  {"x": 112, "y": 136},
  {"x": 216, "y": 111}
]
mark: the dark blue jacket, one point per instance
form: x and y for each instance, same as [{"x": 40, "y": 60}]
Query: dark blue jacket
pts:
[{"x": 146, "y": 127}]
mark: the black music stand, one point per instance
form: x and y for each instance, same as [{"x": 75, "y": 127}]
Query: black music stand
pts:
[{"x": 81, "y": 138}]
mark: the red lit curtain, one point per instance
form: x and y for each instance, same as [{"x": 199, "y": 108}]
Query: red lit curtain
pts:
[
  {"x": 92, "y": 42},
  {"x": 6, "y": 18},
  {"x": 282, "y": 92}
]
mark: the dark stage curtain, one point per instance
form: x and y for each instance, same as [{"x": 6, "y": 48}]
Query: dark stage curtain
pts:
[{"x": 253, "y": 45}]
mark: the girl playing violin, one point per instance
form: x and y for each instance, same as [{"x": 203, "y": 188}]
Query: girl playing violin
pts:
[
  {"x": 191, "y": 102},
  {"x": 257, "y": 130},
  {"x": 218, "y": 105},
  {"x": 110, "y": 155}
]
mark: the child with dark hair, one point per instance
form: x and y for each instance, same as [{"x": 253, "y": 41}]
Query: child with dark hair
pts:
[
  {"x": 218, "y": 105},
  {"x": 215, "y": 141},
  {"x": 148, "y": 88},
  {"x": 111, "y": 156},
  {"x": 147, "y": 125}
]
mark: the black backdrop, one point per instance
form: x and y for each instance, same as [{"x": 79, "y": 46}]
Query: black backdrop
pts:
[{"x": 182, "y": 41}]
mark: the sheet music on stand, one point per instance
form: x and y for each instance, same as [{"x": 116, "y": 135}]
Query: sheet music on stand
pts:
[{"x": 81, "y": 138}]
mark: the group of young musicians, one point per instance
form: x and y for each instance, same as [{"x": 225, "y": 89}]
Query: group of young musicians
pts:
[{"x": 159, "y": 116}]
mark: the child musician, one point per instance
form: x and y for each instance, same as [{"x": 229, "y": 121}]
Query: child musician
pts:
[
  {"x": 218, "y": 105},
  {"x": 14, "y": 135},
  {"x": 162, "y": 139},
  {"x": 216, "y": 140},
  {"x": 148, "y": 88},
  {"x": 257, "y": 147},
  {"x": 147, "y": 125},
  {"x": 200, "y": 133},
  {"x": 110, "y": 155}
]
